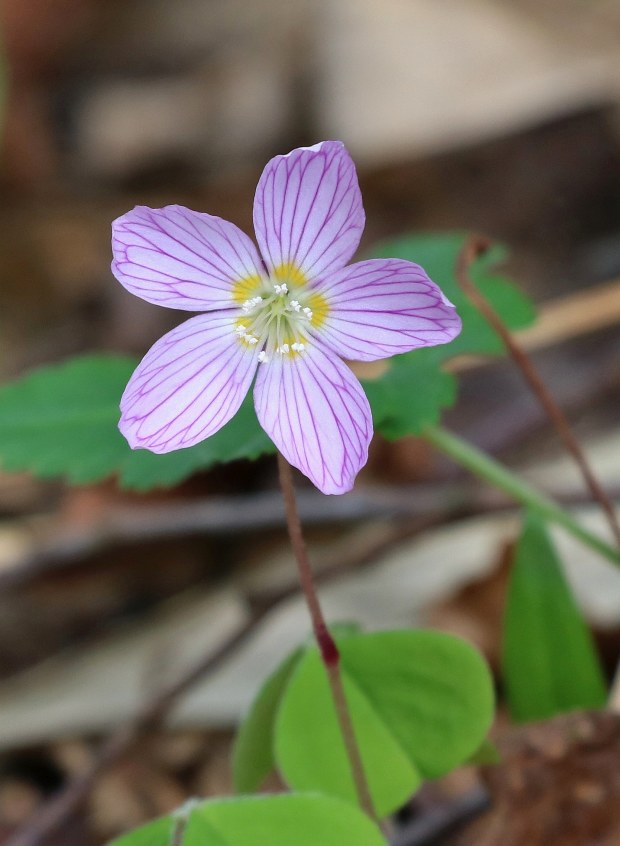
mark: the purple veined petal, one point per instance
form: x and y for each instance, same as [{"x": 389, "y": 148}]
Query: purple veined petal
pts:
[
  {"x": 316, "y": 413},
  {"x": 183, "y": 259},
  {"x": 382, "y": 307},
  {"x": 308, "y": 213},
  {"x": 188, "y": 385}
]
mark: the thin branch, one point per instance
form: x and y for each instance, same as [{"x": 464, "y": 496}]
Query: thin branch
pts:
[
  {"x": 327, "y": 646},
  {"x": 475, "y": 247}
]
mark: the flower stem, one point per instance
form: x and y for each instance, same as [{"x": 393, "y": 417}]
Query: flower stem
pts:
[
  {"x": 327, "y": 646},
  {"x": 487, "y": 468},
  {"x": 477, "y": 246}
]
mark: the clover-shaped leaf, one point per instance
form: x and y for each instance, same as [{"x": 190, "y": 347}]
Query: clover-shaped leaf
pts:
[{"x": 421, "y": 703}]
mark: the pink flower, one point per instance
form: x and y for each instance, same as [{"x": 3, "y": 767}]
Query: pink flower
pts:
[{"x": 287, "y": 316}]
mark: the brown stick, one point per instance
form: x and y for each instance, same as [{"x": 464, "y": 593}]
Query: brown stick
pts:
[
  {"x": 327, "y": 646},
  {"x": 473, "y": 248}
]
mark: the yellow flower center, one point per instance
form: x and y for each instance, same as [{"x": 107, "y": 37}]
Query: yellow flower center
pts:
[{"x": 278, "y": 313}]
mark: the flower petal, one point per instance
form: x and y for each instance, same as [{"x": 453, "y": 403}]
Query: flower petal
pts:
[
  {"x": 180, "y": 258},
  {"x": 188, "y": 385},
  {"x": 316, "y": 413},
  {"x": 308, "y": 212},
  {"x": 382, "y": 307}
]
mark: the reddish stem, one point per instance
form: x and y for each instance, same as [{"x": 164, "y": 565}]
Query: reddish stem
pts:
[
  {"x": 327, "y": 646},
  {"x": 473, "y": 248}
]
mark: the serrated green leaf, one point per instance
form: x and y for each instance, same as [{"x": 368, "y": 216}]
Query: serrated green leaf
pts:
[
  {"x": 299, "y": 819},
  {"x": 421, "y": 703},
  {"x": 63, "y": 420},
  {"x": 549, "y": 661},
  {"x": 411, "y": 395},
  {"x": 253, "y": 750}
]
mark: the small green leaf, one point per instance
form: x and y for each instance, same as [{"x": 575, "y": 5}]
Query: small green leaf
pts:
[
  {"x": 549, "y": 661},
  {"x": 253, "y": 749},
  {"x": 421, "y": 703},
  {"x": 63, "y": 420},
  {"x": 302, "y": 820},
  {"x": 411, "y": 395}
]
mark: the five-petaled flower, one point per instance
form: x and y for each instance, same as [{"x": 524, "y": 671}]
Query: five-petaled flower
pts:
[{"x": 287, "y": 316}]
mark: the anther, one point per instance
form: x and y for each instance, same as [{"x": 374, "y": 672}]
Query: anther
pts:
[
  {"x": 308, "y": 312},
  {"x": 296, "y": 347},
  {"x": 294, "y": 305},
  {"x": 262, "y": 357},
  {"x": 248, "y": 305},
  {"x": 281, "y": 289}
]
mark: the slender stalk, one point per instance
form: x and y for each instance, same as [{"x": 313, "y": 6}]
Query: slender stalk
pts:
[
  {"x": 487, "y": 468},
  {"x": 475, "y": 247},
  {"x": 327, "y": 646}
]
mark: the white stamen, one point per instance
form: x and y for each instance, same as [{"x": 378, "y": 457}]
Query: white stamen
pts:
[
  {"x": 294, "y": 305},
  {"x": 308, "y": 312},
  {"x": 296, "y": 347},
  {"x": 248, "y": 305},
  {"x": 281, "y": 289},
  {"x": 240, "y": 330},
  {"x": 284, "y": 349},
  {"x": 250, "y": 339},
  {"x": 262, "y": 357}
]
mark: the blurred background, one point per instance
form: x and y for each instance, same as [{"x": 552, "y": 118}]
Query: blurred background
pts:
[{"x": 496, "y": 116}]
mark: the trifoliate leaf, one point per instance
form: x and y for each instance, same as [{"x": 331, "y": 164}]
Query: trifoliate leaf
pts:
[
  {"x": 549, "y": 661},
  {"x": 421, "y": 703}
]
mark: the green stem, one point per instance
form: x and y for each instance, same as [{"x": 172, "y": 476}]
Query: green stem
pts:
[{"x": 491, "y": 471}]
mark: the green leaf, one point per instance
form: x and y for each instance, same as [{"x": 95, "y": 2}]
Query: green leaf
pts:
[
  {"x": 253, "y": 749},
  {"x": 411, "y": 395},
  {"x": 302, "y": 820},
  {"x": 156, "y": 833},
  {"x": 421, "y": 703},
  {"x": 62, "y": 420},
  {"x": 549, "y": 661}
]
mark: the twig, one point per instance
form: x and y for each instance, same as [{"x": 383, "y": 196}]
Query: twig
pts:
[
  {"x": 327, "y": 646},
  {"x": 475, "y": 247}
]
